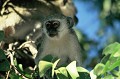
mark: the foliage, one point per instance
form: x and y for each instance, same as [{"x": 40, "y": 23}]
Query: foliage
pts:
[
  {"x": 108, "y": 29},
  {"x": 10, "y": 68},
  {"x": 108, "y": 68},
  {"x": 4, "y": 64},
  {"x": 50, "y": 70}
]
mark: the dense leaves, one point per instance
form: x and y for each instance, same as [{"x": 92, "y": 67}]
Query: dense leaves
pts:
[
  {"x": 4, "y": 64},
  {"x": 107, "y": 70}
]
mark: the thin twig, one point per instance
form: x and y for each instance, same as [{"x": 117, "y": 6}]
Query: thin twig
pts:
[{"x": 10, "y": 55}]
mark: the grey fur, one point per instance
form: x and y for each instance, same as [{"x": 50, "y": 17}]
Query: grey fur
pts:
[{"x": 65, "y": 45}]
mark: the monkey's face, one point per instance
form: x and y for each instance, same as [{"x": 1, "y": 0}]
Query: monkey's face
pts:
[
  {"x": 52, "y": 27},
  {"x": 57, "y": 26}
]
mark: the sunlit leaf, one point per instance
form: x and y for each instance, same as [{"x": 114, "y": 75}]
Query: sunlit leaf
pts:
[
  {"x": 83, "y": 73},
  {"x": 54, "y": 65},
  {"x": 62, "y": 73},
  {"x": 63, "y": 70},
  {"x": 99, "y": 69},
  {"x": 112, "y": 48},
  {"x": 112, "y": 63},
  {"x": 107, "y": 5},
  {"x": 117, "y": 53},
  {"x": 118, "y": 77},
  {"x": 43, "y": 67},
  {"x": 57, "y": 74},
  {"x": 15, "y": 61},
  {"x": 108, "y": 77},
  {"x": 72, "y": 70},
  {"x": 29, "y": 72},
  {"x": 20, "y": 66},
  {"x": 81, "y": 69},
  {"x": 115, "y": 73},
  {"x": 93, "y": 75}
]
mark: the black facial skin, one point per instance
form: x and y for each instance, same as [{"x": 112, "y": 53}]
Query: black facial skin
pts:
[{"x": 52, "y": 27}]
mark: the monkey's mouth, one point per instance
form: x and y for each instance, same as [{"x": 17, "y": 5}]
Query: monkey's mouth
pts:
[{"x": 52, "y": 33}]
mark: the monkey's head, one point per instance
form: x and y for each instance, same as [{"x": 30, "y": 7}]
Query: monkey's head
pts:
[{"x": 56, "y": 26}]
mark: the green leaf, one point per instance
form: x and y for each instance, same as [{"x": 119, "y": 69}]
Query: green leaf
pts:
[
  {"x": 105, "y": 59},
  {"x": 99, "y": 69},
  {"x": 15, "y": 76},
  {"x": 84, "y": 74},
  {"x": 48, "y": 58},
  {"x": 61, "y": 73},
  {"x": 20, "y": 66},
  {"x": 112, "y": 63},
  {"x": 4, "y": 65},
  {"x": 118, "y": 77},
  {"x": 43, "y": 67},
  {"x": 112, "y": 48},
  {"x": 93, "y": 75},
  {"x": 29, "y": 72},
  {"x": 107, "y": 5},
  {"x": 81, "y": 69},
  {"x": 115, "y": 73},
  {"x": 117, "y": 53},
  {"x": 112, "y": 58},
  {"x": 108, "y": 77},
  {"x": 72, "y": 70},
  {"x": 54, "y": 65},
  {"x": 2, "y": 55},
  {"x": 1, "y": 35},
  {"x": 15, "y": 61}
]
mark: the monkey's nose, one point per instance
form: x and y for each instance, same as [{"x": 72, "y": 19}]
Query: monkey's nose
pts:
[{"x": 52, "y": 24}]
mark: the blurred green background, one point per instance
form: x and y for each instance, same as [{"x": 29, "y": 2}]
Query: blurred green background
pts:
[{"x": 99, "y": 23}]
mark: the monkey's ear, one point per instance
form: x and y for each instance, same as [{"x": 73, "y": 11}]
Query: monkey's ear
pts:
[{"x": 70, "y": 22}]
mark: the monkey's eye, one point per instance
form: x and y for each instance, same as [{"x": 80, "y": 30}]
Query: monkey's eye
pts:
[
  {"x": 56, "y": 24},
  {"x": 70, "y": 22},
  {"x": 48, "y": 24},
  {"x": 53, "y": 24}
]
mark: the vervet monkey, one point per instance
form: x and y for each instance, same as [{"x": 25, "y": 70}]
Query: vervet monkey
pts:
[{"x": 59, "y": 40}]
